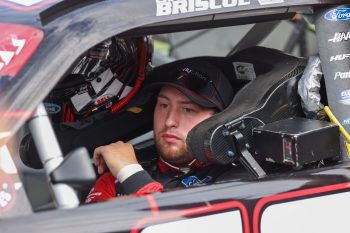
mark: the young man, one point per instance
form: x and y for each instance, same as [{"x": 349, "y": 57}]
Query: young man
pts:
[{"x": 191, "y": 94}]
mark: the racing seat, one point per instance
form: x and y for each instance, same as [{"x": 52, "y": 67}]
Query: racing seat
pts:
[{"x": 270, "y": 97}]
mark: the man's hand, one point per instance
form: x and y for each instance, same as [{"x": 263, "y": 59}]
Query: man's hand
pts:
[{"x": 114, "y": 156}]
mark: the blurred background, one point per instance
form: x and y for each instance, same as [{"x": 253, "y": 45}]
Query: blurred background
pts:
[{"x": 291, "y": 36}]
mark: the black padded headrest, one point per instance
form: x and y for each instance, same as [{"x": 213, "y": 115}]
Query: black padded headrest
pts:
[{"x": 271, "y": 96}]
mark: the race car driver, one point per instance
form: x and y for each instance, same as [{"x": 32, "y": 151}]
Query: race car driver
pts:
[{"x": 187, "y": 96}]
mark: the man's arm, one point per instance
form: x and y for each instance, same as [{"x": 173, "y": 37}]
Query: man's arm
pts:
[
  {"x": 138, "y": 183},
  {"x": 105, "y": 188},
  {"x": 124, "y": 168},
  {"x": 115, "y": 156}
]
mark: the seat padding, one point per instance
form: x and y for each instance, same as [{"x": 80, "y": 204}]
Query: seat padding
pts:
[{"x": 270, "y": 97}]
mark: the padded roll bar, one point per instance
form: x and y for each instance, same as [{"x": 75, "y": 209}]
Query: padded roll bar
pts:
[{"x": 51, "y": 157}]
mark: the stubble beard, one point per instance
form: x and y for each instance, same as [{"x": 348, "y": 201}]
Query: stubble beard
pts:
[{"x": 175, "y": 154}]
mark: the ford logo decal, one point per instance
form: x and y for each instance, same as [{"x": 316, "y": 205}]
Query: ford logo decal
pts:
[
  {"x": 340, "y": 14},
  {"x": 52, "y": 108}
]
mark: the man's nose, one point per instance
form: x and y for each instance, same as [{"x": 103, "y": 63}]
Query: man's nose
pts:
[{"x": 172, "y": 119}]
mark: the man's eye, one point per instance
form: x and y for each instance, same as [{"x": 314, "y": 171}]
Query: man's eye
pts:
[
  {"x": 163, "y": 105},
  {"x": 187, "y": 110}
]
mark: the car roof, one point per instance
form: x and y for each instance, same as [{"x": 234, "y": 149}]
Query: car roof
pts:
[{"x": 69, "y": 28}]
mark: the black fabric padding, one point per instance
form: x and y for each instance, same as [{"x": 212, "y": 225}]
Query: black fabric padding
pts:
[{"x": 280, "y": 67}]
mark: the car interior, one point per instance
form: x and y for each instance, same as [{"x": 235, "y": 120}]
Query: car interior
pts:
[{"x": 234, "y": 136}]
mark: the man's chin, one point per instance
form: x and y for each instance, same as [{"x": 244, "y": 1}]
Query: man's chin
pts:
[
  {"x": 177, "y": 162},
  {"x": 172, "y": 155}
]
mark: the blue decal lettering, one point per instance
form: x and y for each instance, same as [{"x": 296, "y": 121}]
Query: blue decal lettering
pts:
[
  {"x": 346, "y": 121},
  {"x": 340, "y": 14},
  {"x": 52, "y": 108},
  {"x": 344, "y": 97},
  {"x": 194, "y": 181}
]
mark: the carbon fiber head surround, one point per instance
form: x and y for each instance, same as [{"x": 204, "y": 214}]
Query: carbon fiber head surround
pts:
[{"x": 270, "y": 97}]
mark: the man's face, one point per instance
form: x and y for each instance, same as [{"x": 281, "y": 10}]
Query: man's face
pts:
[{"x": 174, "y": 116}]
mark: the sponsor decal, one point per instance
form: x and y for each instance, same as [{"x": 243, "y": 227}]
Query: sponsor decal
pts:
[
  {"x": 345, "y": 121},
  {"x": 17, "y": 44},
  {"x": 26, "y": 5},
  {"x": 6, "y": 56},
  {"x": 26, "y": 2},
  {"x": 244, "y": 71},
  {"x": 340, "y": 14},
  {"x": 173, "y": 7},
  {"x": 7, "y": 194},
  {"x": 339, "y": 37},
  {"x": 52, "y": 108},
  {"x": 92, "y": 195},
  {"x": 344, "y": 97},
  {"x": 195, "y": 181},
  {"x": 7, "y": 182},
  {"x": 267, "y": 2},
  {"x": 341, "y": 75},
  {"x": 103, "y": 99},
  {"x": 339, "y": 57}
]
